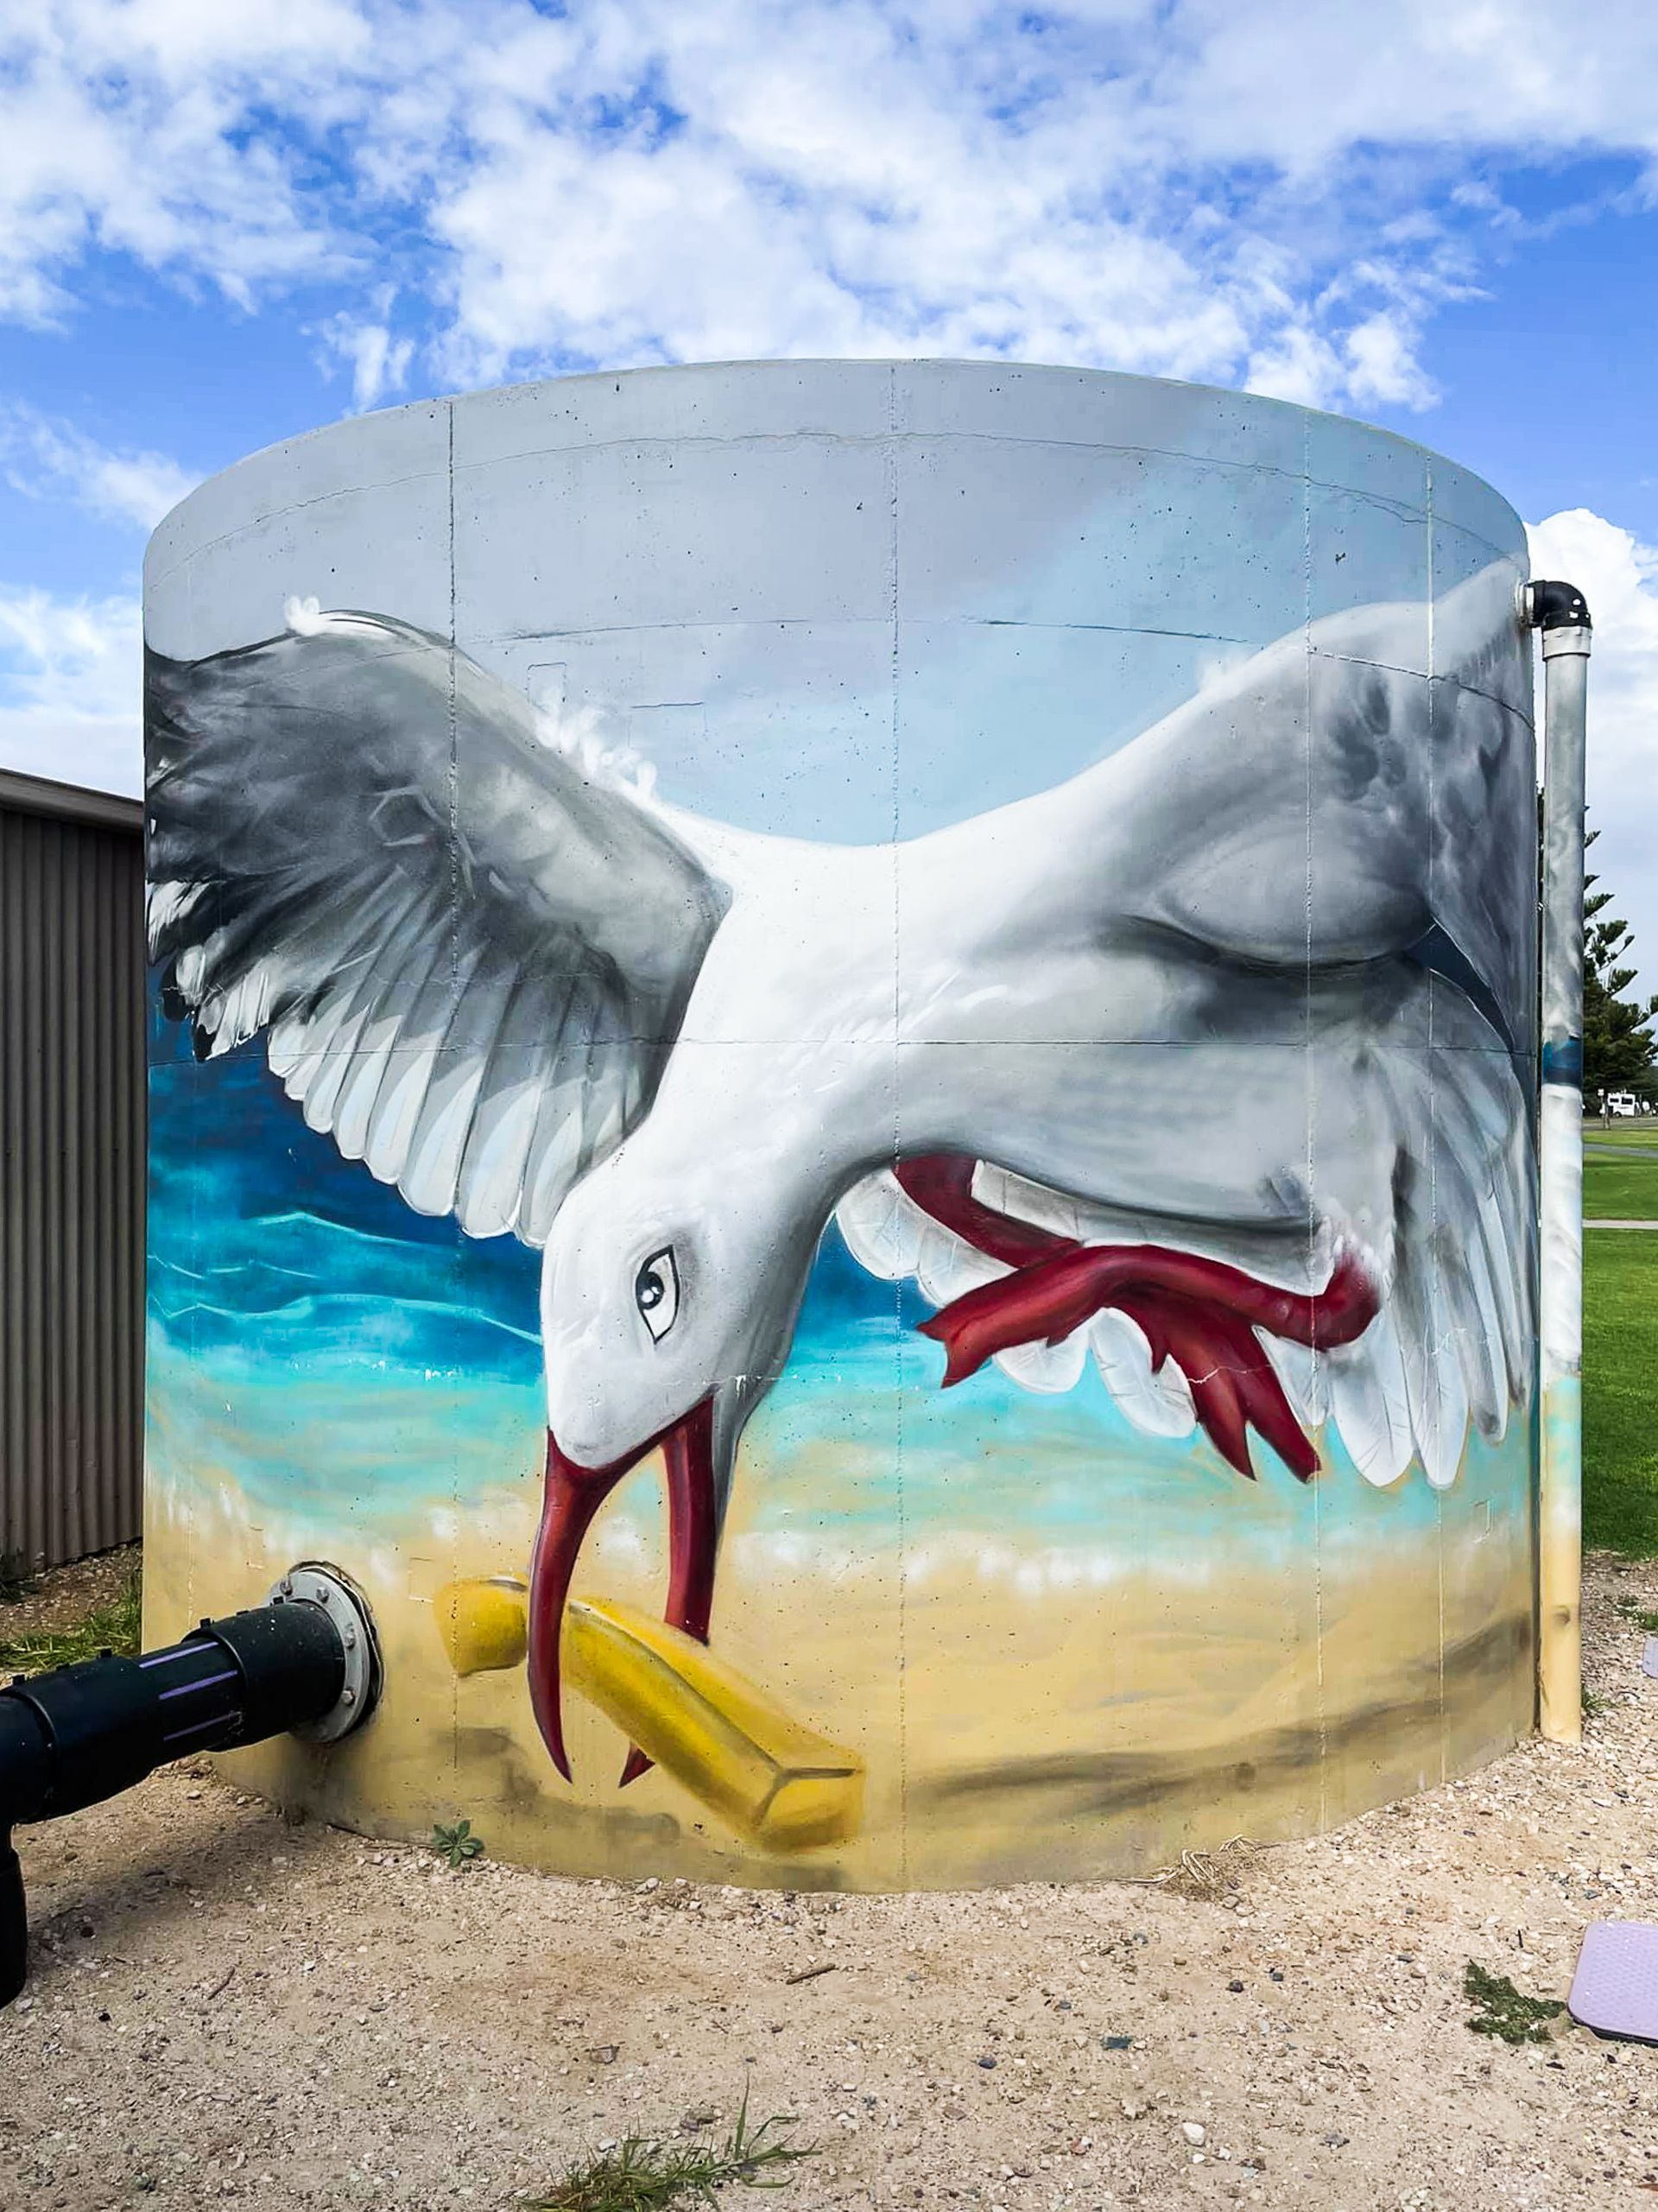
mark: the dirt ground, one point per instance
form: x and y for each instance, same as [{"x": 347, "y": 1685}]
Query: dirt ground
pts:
[
  {"x": 226, "y": 2009},
  {"x": 68, "y": 1594}
]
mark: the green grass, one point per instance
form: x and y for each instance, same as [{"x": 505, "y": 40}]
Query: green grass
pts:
[
  {"x": 1626, "y": 1136},
  {"x": 1620, "y": 1391},
  {"x": 1621, "y": 1189},
  {"x": 114, "y": 1627},
  {"x": 639, "y": 2176}
]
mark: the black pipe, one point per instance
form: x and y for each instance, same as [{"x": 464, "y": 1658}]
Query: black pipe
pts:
[
  {"x": 78, "y": 1735},
  {"x": 1554, "y": 606}
]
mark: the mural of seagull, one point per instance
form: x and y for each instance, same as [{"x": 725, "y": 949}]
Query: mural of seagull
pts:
[{"x": 1208, "y": 1065}]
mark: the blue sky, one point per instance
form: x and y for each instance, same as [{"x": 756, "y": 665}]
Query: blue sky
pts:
[{"x": 222, "y": 221}]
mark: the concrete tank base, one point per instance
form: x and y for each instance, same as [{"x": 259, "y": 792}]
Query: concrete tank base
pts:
[{"x": 887, "y": 1005}]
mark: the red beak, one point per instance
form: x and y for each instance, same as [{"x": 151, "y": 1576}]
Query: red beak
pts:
[{"x": 573, "y": 1495}]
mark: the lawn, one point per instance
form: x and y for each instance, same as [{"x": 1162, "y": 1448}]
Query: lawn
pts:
[
  {"x": 1636, "y": 1136},
  {"x": 1620, "y": 1387},
  {"x": 1625, "y": 1189}
]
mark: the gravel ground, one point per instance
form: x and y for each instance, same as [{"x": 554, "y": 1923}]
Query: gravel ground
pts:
[{"x": 226, "y": 2009}]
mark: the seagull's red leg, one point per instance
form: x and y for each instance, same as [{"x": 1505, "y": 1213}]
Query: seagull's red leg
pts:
[
  {"x": 941, "y": 1184},
  {"x": 1201, "y": 1313}
]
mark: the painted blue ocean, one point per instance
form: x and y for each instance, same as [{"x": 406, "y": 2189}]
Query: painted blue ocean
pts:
[{"x": 316, "y": 1342}]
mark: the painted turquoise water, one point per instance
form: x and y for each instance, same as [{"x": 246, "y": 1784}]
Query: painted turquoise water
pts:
[{"x": 334, "y": 1353}]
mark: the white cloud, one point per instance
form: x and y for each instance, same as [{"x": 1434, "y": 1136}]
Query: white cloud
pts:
[
  {"x": 1295, "y": 363},
  {"x": 842, "y": 181},
  {"x": 363, "y": 343},
  {"x": 135, "y": 127},
  {"x": 71, "y": 674},
  {"x": 1619, "y": 576},
  {"x": 1380, "y": 363},
  {"x": 1256, "y": 191},
  {"x": 1302, "y": 86},
  {"x": 44, "y": 458}
]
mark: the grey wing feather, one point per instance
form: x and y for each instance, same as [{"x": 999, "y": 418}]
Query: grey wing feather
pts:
[
  {"x": 1329, "y": 817},
  {"x": 1422, "y": 790},
  {"x": 1451, "y": 1349},
  {"x": 469, "y": 959},
  {"x": 1421, "y": 821}
]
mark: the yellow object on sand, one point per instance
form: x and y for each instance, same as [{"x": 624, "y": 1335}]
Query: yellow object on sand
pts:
[
  {"x": 778, "y": 1782},
  {"x": 484, "y": 1625}
]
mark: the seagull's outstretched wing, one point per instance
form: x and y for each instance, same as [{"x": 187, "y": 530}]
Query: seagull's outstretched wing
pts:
[
  {"x": 1327, "y": 802},
  {"x": 471, "y": 959},
  {"x": 1330, "y": 831}
]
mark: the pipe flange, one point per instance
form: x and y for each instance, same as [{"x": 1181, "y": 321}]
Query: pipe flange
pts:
[{"x": 312, "y": 1582}]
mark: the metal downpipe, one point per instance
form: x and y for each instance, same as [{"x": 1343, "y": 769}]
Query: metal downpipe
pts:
[{"x": 1559, "y": 612}]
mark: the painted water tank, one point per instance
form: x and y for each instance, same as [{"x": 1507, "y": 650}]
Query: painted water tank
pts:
[{"x": 842, "y": 1075}]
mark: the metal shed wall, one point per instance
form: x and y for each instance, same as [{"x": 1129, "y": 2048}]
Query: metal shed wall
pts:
[{"x": 71, "y": 1169}]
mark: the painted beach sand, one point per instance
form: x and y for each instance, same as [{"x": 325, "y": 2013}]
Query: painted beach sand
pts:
[{"x": 1042, "y": 1631}]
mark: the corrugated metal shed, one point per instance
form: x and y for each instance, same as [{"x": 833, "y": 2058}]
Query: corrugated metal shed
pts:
[{"x": 72, "y": 1168}]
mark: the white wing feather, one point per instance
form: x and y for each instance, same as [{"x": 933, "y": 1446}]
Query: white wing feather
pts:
[{"x": 468, "y": 956}]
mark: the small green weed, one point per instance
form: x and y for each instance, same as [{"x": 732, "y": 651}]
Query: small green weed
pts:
[
  {"x": 1637, "y": 1614},
  {"x": 114, "y": 1627},
  {"x": 1593, "y": 1704},
  {"x": 456, "y": 1844},
  {"x": 1503, "y": 2012},
  {"x": 639, "y": 2176}
]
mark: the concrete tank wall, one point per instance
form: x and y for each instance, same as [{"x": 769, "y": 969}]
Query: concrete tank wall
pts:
[{"x": 789, "y": 886}]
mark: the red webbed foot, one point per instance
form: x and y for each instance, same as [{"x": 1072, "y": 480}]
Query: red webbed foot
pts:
[{"x": 1199, "y": 1312}]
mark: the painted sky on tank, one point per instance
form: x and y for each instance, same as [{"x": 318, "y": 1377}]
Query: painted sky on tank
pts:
[{"x": 220, "y": 224}]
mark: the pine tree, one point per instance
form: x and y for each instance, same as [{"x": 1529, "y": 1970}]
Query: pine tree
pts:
[{"x": 1619, "y": 1050}]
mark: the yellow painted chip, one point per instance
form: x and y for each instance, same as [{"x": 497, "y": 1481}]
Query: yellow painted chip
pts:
[
  {"x": 483, "y": 1624},
  {"x": 776, "y": 1781}
]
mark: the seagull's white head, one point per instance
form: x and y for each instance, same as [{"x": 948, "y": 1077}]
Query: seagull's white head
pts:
[
  {"x": 669, "y": 1291},
  {"x": 642, "y": 1294}
]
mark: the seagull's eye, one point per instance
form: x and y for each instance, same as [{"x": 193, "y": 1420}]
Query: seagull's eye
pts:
[{"x": 656, "y": 1292}]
